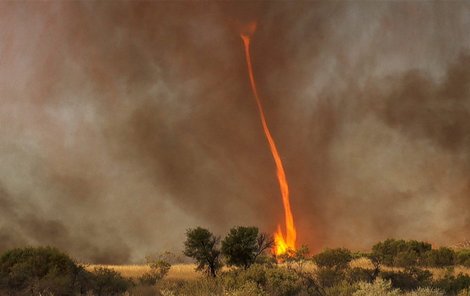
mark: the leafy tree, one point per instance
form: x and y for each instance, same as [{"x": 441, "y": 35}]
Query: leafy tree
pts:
[
  {"x": 243, "y": 245},
  {"x": 203, "y": 246}
]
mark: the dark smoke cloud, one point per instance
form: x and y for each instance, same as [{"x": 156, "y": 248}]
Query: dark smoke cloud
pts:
[{"x": 122, "y": 124}]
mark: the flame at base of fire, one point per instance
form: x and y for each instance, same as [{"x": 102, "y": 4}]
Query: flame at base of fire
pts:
[{"x": 281, "y": 244}]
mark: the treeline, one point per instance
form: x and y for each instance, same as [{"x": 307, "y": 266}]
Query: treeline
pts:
[
  {"x": 391, "y": 268},
  {"x": 249, "y": 251}
]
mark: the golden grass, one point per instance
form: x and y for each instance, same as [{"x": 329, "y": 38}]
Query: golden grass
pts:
[
  {"x": 188, "y": 272},
  {"x": 177, "y": 271},
  {"x": 183, "y": 272}
]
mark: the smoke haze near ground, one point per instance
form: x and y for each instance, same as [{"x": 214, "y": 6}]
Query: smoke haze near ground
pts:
[{"x": 122, "y": 124}]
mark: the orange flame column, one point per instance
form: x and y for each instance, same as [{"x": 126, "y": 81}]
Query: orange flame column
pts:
[{"x": 282, "y": 243}]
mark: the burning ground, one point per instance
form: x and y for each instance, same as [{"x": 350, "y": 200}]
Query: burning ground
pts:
[{"x": 122, "y": 124}]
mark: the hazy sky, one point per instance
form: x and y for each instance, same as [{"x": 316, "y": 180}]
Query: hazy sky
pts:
[{"x": 122, "y": 124}]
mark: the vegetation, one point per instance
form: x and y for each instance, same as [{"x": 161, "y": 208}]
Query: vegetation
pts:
[
  {"x": 243, "y": 245},
  {"x": 401, "y": 253},
  {"x": 47, "y": 271},
  {"x": 393, "y": 267},
  {"x": 108, "y": 282},
  {"x": 203, "y": 246},
  {"x": 159, "y": 268}
]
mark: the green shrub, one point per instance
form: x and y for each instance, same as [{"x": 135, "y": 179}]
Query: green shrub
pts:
[
  {"x": 341, "y": 289},
  {"x": 204, "y": 286},
  {"x": 159, "y": 268},
  {"x": 148, "y": 279},
  {"x": 441, "y": 257},
  {"x": 276, "y": 281},
  {"x": 256, "y": 273},
  {"x": 333, "y": 258},
  {"x": 265, "y": 259},
  {"x": 282, "y": 282},
  {"x": 453, "y": 284},
  {"x": 409, "y": 279},
  {"x": 400, "y": 253},
  {"x": 108, "y": 282},
  {"x": 406, "y": 258},
  {"x": 359, "y": 274},
  {"x": 328, "y": 277},
  {"x": 246, "y": 289},
  {"x": 379, "y": 287},
  {"x": 463, "y": 257},
  {"x": 41, "y": 270}
]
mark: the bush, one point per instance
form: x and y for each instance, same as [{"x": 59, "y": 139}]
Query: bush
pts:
[
  {"x": 341, "y": 289},
  {"x": 406, "y": 258},
  {"x": 464, "y": 292},
  {"x": 328, "y": 277},
  {"x": 333, "y": 258},
  {"x": 463, "y": 257},
  {"x": 268, "y": 260},
  {"x": 441, "y": 257},
  {"x": 359, "y": 274},
  {"x": 275, "y": 281},
  {"x": 247, "y": 289},
  {"x": 409, "y": 279},
  {"x": 453, "y": 284},
  {"x": 159, "y": 268},
  {"x": 425, "y": 292},
  {"x": 282, "y": 282},
  {"x": 379, "y": 287},
  {"x": 401, "y": 253},
  {"x": 41, "y": 270},
  {"x": 255, "y": 273},
  {"x": 202, "y": 286},
  {"x": 108, "y": 282}
]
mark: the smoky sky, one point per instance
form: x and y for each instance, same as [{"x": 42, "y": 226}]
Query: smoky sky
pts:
[{"x": 122, "y": 124}]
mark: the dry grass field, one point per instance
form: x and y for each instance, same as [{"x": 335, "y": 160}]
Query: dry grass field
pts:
[
  {"x": 187, "y": 271},
  {"x": 177, "y": 271}
]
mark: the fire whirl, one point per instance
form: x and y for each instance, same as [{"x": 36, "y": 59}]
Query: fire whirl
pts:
[{"x": 287, "y": 242}]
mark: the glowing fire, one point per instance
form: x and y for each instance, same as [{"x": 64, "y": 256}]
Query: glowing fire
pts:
[{"x": 282, "y": 243}]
